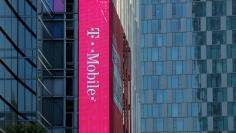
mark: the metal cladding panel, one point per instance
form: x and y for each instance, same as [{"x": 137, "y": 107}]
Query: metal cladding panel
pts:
[{"x": 94, "y": 66}]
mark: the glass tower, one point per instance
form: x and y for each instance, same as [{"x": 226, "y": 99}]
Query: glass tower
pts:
[
  {"x": 38, "y": 64},
  {"x": 188, "y": 66},
  {"x": 18, "y": 62}
]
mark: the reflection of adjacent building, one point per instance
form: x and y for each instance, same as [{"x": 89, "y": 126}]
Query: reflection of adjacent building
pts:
[
  {"x": 128, "y": 12},
  {"x": 121, "y": 62},
  {"x": 127, "y": 87}
]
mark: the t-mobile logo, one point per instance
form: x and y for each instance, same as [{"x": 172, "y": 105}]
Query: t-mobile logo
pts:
[{"x": 94, "y": 33}]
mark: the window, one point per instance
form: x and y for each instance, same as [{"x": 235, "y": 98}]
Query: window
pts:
[
  {"x": 159, "y": 68},
  {"x": 232, "y": 108},
  {"x": 199, "y": 66},
  {"x": 69, "y": 52},
  {"x": 155, "y": 54},
  {"x": 234, "y": 124},
  {"x": 202, "y": 94},
  {"x": 175, "y": 110},
  {"x": 203, "y": 123},
  {"x": 234, "y": 65},
  {"x": 161, "y": 96},
  {"x": 218, "y": 37},
  {"x": 234, "y": 7},
  {"x": 173, "y": 53},
  {"x": 231, "y": 22},
  {"x": 196, "y": 109},
  {"x": 178, "y": 67},
  {"x": 56, "y": 6},
  {"x": 156, "y": 26},
  {"x": 213, "y": 80},
  {"x": 220, "y": 123},
  {"x": 199, "y": 38},
  {"x": 189, "y": 24},
  {"x": 56, "y": 86},
  {"x": 159, "y": 39},
  {"x": 178, "y": 10},
  {"x": 174, "y": 25},
  {"x": 197, "y": 52},
  {"x": 156, "y": 110},
  {"x": 55, "y": 28},
  {"x": 146, "y": 26},
  {"x": 148, "y": 68},
  {"x": 196, "y": 124},
  {"x": 219, "y": 94},
  {"x": 234, "y": 94},
  {"x": 69, "y": 105},
  {"x": 232, "y": 80},
  {"x": 219, "y": 66},
  {"x": 199, "y": 9},
  {"x": 160, "y": 125},
  {"x": 231, "y": 51},
  {"x": 147, "y": 54},
  {"x": 178, "y": 39},
  {"x": 53, "y": 51},
  {"x": 69, "y": 87},
  {"x": 53, "y": 110},
  {"x": 214, "y": 109},
  {"x": 155, "y": 82},
  {"x": 196, "y": 24},
  {"x": 213, "y": 23},
  {"x": 179, "y": 124},
  {"x": 173, "y": 81},
  {"x": 218, "y": 8},
  {"x": 159, "y": 11},
  {"x": 190, "y": 52},
  {"x": 213, "y": 52},
  {"x": 234, "y": 36},
  {"x": 178, "y": 95}
]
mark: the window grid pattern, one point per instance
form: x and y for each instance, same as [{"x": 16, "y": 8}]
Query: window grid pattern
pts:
[
  {"x": 188, "y": 66},
  {"x": 18, "y": 56}
]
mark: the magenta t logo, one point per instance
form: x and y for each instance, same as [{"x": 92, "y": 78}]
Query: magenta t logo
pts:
[{"x": 94, "y": 33}]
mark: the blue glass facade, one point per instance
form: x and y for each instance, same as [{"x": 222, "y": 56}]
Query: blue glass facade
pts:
[
  {"x": 18, "y": 59},
  {"x": 187, "y": 66},
  {"x": 38, "y": 61}
]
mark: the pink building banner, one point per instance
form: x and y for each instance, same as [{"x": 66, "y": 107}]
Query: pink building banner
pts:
[{"x": 94, "y": 58}]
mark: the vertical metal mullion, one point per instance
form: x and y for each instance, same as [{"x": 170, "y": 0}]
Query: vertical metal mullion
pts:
[
  {"x": 17, "y": 64},
  {"x": 64, "y": 78},
  {"x": 76, "y": 64},
  {"x": 38, "y": 7}
]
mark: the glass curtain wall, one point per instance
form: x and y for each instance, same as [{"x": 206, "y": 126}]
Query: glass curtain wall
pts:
[
  {"x": 18, "y": 59},
  {"x": 188, "y": 75}
]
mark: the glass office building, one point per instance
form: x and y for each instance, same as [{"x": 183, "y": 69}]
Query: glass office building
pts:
[
  {"x": 18, "y": 62},
  {"x": 188, "y": 66},
  {"x": 38, "y": 64}
]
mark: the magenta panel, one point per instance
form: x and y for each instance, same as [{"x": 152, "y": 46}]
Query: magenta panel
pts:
[{"x": 94, "y": 54}]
